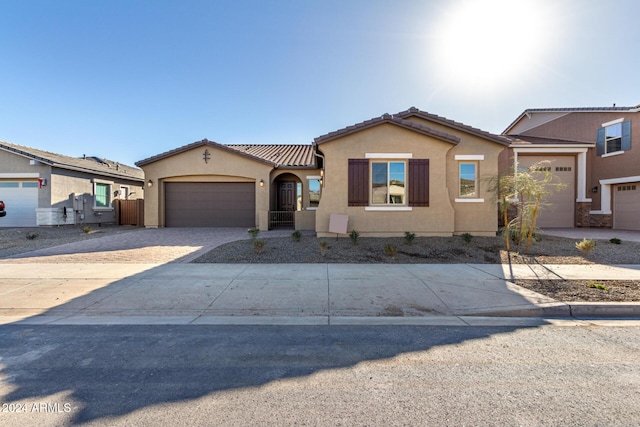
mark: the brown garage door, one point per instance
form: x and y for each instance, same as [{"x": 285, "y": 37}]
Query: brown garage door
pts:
[
  {"x": 210, "y": 204},
  {"x": 560, "y": 208},
  {"x": 626, "y": 206}
]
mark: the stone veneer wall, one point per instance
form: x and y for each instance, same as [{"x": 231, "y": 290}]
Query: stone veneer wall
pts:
[{"x": 586, "y": 219}]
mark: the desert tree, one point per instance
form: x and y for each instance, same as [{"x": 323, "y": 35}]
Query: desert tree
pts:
[{"x": 522, "y": 195}]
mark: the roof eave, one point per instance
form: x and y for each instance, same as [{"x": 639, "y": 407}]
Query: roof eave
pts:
[
  {"x": 413, "y": 111},
  {"x": 204, "y": 142},
  {"x": 386, "y": 119}
]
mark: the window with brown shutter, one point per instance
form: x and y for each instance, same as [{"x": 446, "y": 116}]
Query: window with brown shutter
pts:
[
  {"x": 418, "y": 182},
  {"x": 358, "y": 182}
]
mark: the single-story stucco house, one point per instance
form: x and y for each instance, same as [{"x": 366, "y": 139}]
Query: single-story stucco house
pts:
[
  {"x": 43, "y": 188},
  {"x": 411, "y": 171}
]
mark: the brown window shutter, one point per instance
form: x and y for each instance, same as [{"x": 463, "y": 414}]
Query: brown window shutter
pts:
[
  {"x": 418, "y": 182},
  {"x": 358, "y": 182}
]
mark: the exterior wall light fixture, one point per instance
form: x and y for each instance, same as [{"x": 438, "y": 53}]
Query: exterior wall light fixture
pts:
[
  {"x": 262, "y": 183},
  {"x": 149, "y": 183}
]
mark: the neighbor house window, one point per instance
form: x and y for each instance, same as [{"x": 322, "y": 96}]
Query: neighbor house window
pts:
[
  {"x": 614, "y": 137},
  {"x": 102, "y": 195},
  {"x": 388, "y": 183},
  {"x": 468, "y": 180}
]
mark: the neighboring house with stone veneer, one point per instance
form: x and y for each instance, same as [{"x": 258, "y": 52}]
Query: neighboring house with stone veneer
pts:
[
  {"x": 43, "y": 188},
  {"x": 595, "y": 151},
  {"x": 412, "y": 171}
]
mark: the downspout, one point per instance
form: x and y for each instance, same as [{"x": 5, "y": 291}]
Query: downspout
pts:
[{"x": 317, "y": 153}]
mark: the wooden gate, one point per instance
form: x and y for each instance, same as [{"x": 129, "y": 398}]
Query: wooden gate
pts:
[{"x": 130, "y": 212}]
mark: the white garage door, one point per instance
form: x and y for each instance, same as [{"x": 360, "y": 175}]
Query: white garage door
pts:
[
  {"x": 21, "y": 200},
  {"x": 560, "y": 205},
  {"x": 626, "y": 206}
]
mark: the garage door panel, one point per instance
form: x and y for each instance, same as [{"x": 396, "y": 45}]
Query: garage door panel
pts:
[
  {"x": 559, "y": 210},
  {"x": 21, "y": 199},
  {"x": 209, "y": 204},
  {"x": 626, "y": 206}
]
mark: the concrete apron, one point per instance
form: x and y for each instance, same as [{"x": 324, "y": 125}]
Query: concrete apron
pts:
[{"x": 307, "y": 294}]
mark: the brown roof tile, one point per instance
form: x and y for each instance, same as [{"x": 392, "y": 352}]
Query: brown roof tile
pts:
[
  {"x": 295, "y": 155},
  {"x": 272, "y": 154},
  {"x": 387, "y": 118},
  {"x": 413, "y": 111}
]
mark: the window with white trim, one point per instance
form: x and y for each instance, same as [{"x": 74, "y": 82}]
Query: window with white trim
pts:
[
  {"x": 613, "y": 138},
  {"x": 314, "y": 193},
  {"x": 102, "y": 195},
  {"x": 388, "y": 183},
  {"x": 468, "y": 179}
]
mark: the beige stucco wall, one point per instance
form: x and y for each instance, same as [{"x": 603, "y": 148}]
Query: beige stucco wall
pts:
[
  {"x": 444, "y": 216},
  {"x": 189, "y": 166}
]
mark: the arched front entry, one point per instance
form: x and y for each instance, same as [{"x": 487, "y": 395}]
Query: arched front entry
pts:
[{"x": 286, "y": 200}]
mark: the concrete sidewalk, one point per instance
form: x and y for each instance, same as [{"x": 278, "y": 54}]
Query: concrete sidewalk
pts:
[{"x": 455, "y": 294}]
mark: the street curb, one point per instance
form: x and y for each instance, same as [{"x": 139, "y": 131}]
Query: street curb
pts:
[
  {"x": 569, "y": 309},
  {"x": 605, "y": 309}
]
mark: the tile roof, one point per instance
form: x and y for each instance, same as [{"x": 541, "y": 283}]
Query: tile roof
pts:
[
  {"x": 92, "y": 165},
  {"x": 272, "y": 154},
  {"x": 387, "y": 118},
  {"x": 535, "y": 140},
  {"x": 633, "y": 109},
  {"x": 413, "y": 111},
  {"x": 296, "y": 155}
]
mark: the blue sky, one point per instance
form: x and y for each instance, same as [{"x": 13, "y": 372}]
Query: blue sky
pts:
[{"x": 130, "y": 79}]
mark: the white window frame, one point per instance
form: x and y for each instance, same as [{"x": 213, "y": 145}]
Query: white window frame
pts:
[
  {"x": 109, "y": 185},
  {"x": 474, "y": 159},
  {"x": 309, "y": 179},
  {"x": 607, "y": 125},
  {"x": 388, "y": 162}
]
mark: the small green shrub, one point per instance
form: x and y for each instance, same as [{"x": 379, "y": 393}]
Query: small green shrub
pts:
[
  {"x": 595, "y": 285},
  {"x": 467, "y": 237},
  {"x": 390, "y": 249},
  {"x": 32, "y": 236},
  {"x": 615, "y": 241},
  {"x": 324, "y": 247},
  {"x": 86, "y": 229},
  {"x": 297, "y": 235},
  {"x": 354, "y": 236},
  {"x": 586, "y": 246},
  {"x": 253, "y": 232},
  {"x": 408, "y": 237},
  {"x": 258, "y": 245}
]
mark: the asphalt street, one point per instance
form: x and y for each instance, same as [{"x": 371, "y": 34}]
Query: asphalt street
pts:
[{"x": 319, "y": 375}]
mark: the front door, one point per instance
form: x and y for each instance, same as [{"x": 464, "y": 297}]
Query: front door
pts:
[{"x": 286, "y": 196}]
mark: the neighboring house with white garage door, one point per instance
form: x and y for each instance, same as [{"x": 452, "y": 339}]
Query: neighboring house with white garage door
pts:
[
  {"x": 595, "y": 151},
  {"x": 42, "y": 188}
]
